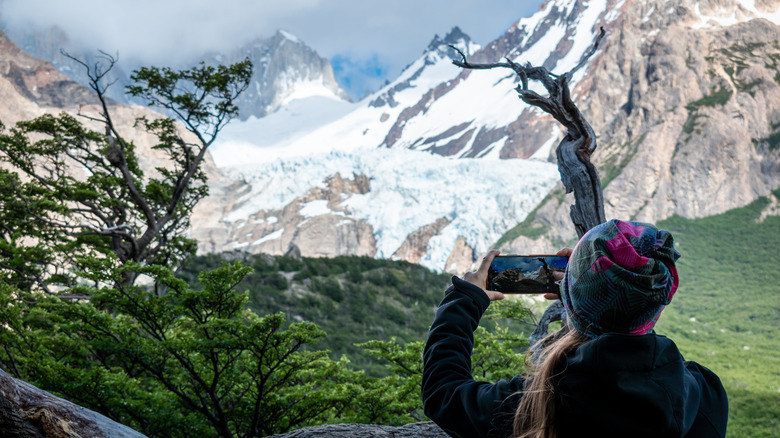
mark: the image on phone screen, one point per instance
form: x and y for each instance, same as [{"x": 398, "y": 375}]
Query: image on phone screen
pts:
[{"x": 531, "y": 274}]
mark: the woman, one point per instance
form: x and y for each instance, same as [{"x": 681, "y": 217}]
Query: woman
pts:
[{"x": 608, "y": 375}]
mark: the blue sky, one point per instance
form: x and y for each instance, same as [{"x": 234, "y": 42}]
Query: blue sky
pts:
[
  {"x": 368, "y": 41},
  {"x": 359, "y": 76}
]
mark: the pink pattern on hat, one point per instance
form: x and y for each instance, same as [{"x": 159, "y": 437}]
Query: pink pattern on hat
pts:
[
  {"x": 629, "y": 228},
  {"x": 647, "y": 326},
  {"x": 624, "y": 254},
  {"x": 601, "y": 264}
]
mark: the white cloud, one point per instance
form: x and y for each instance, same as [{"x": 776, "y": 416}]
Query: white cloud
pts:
[
  {"x": 156, "y": 31},
  {"x": 158, "y": 28}
]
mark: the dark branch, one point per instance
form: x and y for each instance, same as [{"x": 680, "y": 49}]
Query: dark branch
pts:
[
  {"x": 590, "y": 52},
  {"x": 578, "y": 174}
]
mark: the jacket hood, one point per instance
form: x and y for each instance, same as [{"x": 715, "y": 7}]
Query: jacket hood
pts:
[{"x": 636, "y": 384}]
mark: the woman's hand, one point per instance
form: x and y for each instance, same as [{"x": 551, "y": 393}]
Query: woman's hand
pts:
[
  {"x": 479, "y": 278},
  {"x": 565, "y": 252}
]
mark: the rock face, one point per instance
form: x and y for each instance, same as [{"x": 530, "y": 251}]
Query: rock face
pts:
[
  {"x": 415, "y": 245},
  {"x": 691, "y": 136},
  {"x": 686, "y": 112},
  {"x": 299, "y": 224},
  {"x": 28, "y": 84},
  {"x": 284, "y": 68}
]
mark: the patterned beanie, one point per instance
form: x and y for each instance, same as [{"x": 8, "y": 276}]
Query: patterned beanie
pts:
[{"x": 620, "y": 277}]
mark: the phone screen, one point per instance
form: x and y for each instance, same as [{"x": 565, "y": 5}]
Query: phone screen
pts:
[{"x": 525, "y": 274}]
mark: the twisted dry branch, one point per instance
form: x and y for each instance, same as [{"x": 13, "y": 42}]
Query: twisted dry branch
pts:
[{"x": 578, "y": 174}]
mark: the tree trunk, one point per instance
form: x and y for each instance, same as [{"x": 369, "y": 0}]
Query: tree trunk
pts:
[
  {"x": 30, "y": 412},
  {"x": 414, "y": 430}
]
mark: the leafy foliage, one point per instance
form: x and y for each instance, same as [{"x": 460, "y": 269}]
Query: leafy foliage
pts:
[
  {"x": 203, "y": 97},
  {"x": 187, "y": 363},
  {"x": 353, "y": 299},
  {"x": 82, "y": 193},
  {"x": 718, "y": 97}
]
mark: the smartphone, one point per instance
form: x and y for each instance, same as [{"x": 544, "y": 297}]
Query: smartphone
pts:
[{"x": 525, "y": 274}]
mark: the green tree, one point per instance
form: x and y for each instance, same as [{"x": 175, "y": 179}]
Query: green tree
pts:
[
  {"x": 76, "y": 192},
  {"x": 166, "y": 359},
  {"x": 185, "y": 363}
]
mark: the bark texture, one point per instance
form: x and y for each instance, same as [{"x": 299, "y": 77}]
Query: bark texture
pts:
[
  {"x": 29, "y": 412},
  {"x": 414, "y": 430}
]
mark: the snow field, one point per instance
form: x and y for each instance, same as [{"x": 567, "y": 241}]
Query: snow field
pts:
[{"x": 483, "y": 198}]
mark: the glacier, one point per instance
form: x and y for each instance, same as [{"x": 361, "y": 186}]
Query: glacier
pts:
[
  {"x": 482, "y": 198},
  {"x": 283, "y": 156}
]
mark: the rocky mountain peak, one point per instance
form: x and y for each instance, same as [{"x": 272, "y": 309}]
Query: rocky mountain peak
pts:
[
  {"x": 285, "y": 68},
  {"x": 421, "y": 75},
  {"x": 454, "y": 37}
]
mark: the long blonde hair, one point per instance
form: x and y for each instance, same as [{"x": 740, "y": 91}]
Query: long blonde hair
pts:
[{"x": 535, "y": 416}]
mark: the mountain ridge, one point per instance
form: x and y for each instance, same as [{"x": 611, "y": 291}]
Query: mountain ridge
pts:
[
  {"x": 672, "y": 144},
  {"x": 642, "y": 92},
  {"x": 680, "y": 94},
  {"x": 285, "y": 68}
]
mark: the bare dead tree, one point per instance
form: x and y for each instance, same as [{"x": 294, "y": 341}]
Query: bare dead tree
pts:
[{"x": 578, "y": 174}]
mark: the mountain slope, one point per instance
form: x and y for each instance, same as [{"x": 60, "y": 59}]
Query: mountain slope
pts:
[
  {"x": 478, "y": 114},
  {"x": 333, "y": 192},
  {"x": 285, "y": 68},
  {"x": 681, "y": 95},
  {"x": 684, "y": 106}
]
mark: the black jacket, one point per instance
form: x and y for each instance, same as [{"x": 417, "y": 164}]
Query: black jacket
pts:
[{"x": 615, "y": 385}]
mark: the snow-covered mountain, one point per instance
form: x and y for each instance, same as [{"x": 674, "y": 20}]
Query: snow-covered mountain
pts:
[
  {"x": 320, "y": 125},
  {"x": 284, "y": 68},
  {"x": 682, "y": 95},
  {"x": 332, "y": 190}
]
